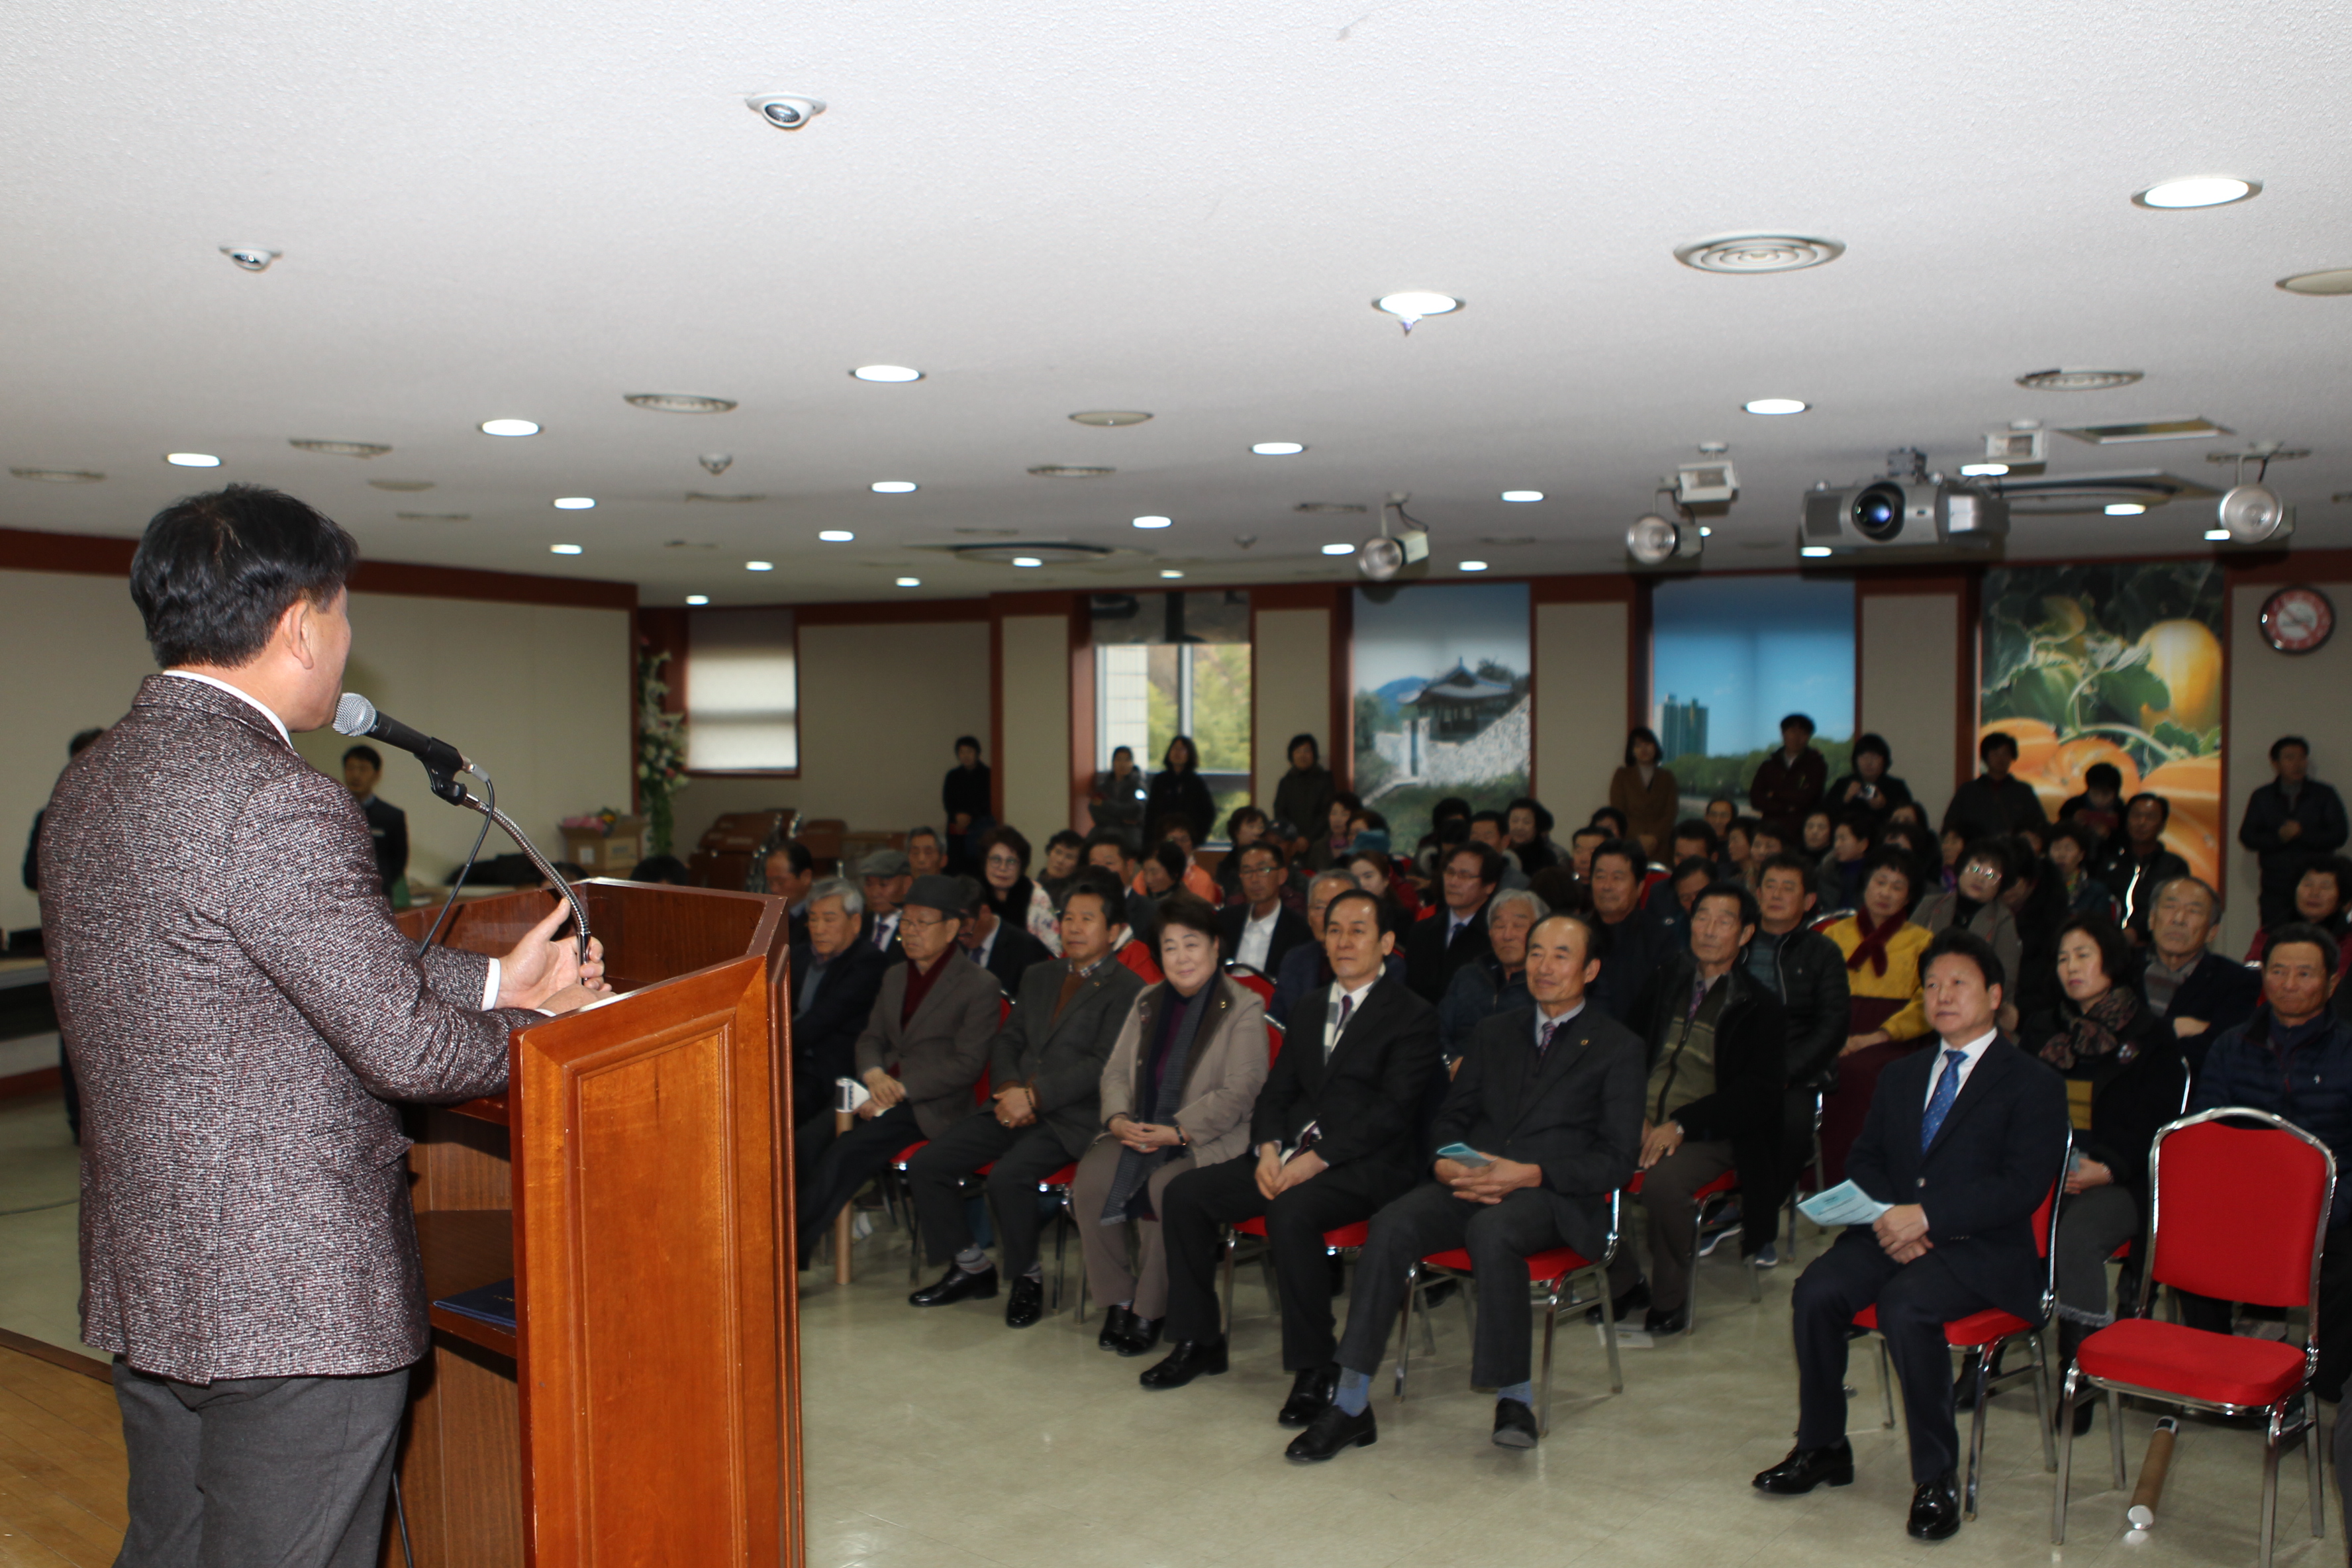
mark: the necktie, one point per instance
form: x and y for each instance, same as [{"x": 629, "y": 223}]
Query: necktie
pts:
[
  {"x": 1347, "y": 1006},
  {"x": 1543, "y": 1041},
  {"x": 1698, "y": 998},
  {"x": 1070, "y": 984},
  {"x": 882, "y": 929},
  {"x": 1939, "y": 1104}
]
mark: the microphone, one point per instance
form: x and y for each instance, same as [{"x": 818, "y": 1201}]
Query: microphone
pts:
[{"x": 356, "y": 715}]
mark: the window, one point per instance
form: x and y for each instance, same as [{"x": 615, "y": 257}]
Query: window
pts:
[
  {"x": 743, "y": 692},
  {"x": 1729, "y": 657},
  {"x": 1176, "y": 664}
]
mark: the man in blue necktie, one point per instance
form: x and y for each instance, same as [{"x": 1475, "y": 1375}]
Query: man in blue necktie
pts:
[{"x": 1964, "y": 1142}]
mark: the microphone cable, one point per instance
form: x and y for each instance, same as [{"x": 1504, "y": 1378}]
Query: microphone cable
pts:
[{"x": 491, "y": 790}]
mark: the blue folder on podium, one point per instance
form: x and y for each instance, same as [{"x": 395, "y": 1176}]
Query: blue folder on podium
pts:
[{"x": 493, "y": 1303}]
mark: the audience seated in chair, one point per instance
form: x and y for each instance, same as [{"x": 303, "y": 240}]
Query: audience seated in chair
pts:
[
  {"x": 1493, "y": 830},
  {"x": 1017, "y": 901},
  {"x": 885, "y": 878},
  {"x": 1494, "y": 981},
  {"x": 1964, "y": 1142},
  {"x": 2136, "y": 863},
  {"x": 1306, "y": 968},
  {"x": 1550, "y": 1096},
  {"x": 1886, "y": 1020},
  {"x": 1456, "y": 932},
  {"x": 1245, "y": 825},
  {"x": 1530, "y": 835},
  {"x": 2198, "y": 994},
  {"x": 1176, "y": 1094},
  {"x": 787, "y": 873},
  {"x": 1044, "y": 1076},
  {"x": 1002, "y": 947},
  {"x": 1973, "y": 903},
  {"x": 1691, "y": 877},
  {"x": 1109, "y": 852},
  {"x": 1260, "y": 931},
  {"x": 927, "y": 852},
  {"x": 1332, "y": 1137},
  {"x": 1636, "y": 938},
  {"x": 833, "y": 979},
  {"x": 1065, "y": 852}
]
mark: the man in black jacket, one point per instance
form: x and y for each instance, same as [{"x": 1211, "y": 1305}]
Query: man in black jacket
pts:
[
  {"x": 1260, "y": 930},
  {"x": 2198, "y": 993},
  {"x": 2136, "y": 863},
  {"x": 1004, "y": 950},
  {"x": 833, "y": 980},
  {"x": 1550, "y": 1097},
  {"x": 1997, "y": 803},
  {"x": 1445, "y": 941},
  {"x": 1807, "y": 972},
  {"x": 1964, "y": 1142},
  {"x": 1637, "y": 936},
  {"x": 1718, "y": 1048},
  {"x": 387, "y": 824},
  {"x": 1331, "y": 1141},
  {"x": 2291, "y": 823}
]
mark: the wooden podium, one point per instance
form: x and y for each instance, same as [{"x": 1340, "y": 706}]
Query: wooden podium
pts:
[{"x": 633, "y": 1181}]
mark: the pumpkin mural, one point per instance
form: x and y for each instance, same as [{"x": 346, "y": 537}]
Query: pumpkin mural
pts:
[{"x": 2118, "y": 664}]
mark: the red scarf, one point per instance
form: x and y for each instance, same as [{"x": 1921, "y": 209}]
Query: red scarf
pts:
[{"x": 1872, "y": 945}]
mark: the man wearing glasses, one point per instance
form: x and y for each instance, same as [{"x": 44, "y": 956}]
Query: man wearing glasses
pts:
[
  {"x": 1455, "y": 934},
  {"x": 1261, "y": 930}
]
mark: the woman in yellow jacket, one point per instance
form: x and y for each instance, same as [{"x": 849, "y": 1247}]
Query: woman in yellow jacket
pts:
[{"x": 1886, "y": 1021}]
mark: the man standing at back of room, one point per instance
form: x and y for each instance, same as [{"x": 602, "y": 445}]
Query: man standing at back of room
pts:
[
  {"x": 387, "y": 824},
  {"x": 1788, "y": 784},
  {"x": 243, "y": 1014}
]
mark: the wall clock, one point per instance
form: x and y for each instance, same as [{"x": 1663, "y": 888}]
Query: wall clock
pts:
[{"x": 2298, "y": 619}]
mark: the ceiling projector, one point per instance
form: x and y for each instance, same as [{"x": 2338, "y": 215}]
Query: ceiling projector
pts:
[{"x": 1918, "y": 512}]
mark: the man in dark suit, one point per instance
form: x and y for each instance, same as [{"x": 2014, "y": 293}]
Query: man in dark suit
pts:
[
  {"x": 1437, "y": 946},
  {"x": 1550, "y": 1096},
  {"x": 833, "y": 980},
  {"x": 924, "y": 1046},
  {"x": 1046, "y": 1079},
  {"x": 1964, "y": 1142},
  {"x": 1306, "y": 967},
  {"x": 387, "y": 824},
  {"x": 1331, "y": 1141},
  {"x": 1004, "y": 950},
  {"x": 788, "y": 873},
  {"x": 1637, "y": 936},
  {"x": 2198, "y": 993},
  {"x": 243, "y": 1014},
  {"x": 1261, "y": 930},
  {"x": 886, "y": 877}
]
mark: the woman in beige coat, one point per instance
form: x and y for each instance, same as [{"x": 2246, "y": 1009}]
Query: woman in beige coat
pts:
[{"x": 1177, "y": 1092}]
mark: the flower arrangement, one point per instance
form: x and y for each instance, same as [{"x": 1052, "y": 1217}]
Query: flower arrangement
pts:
[{"x": 661, "y": 752}]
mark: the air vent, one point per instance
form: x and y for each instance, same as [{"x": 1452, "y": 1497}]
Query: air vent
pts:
[
  {"x": 678, "y": 402},
  {"x": 1753, "y": 252},
  {"x": 1111, "y": 418},
  {"x": 2189, "y": 429},
  {"x": 1330, "y": 507},
  {"x": 727, "y": 500},
  {"x": 1054, "y": 553},
  {"x": 1496, "y": 541},
  {"x": 2092, "y": 494},
  {"x": 2078, "y": 380},
  {"x": 990, "y": 533},
  {"x": 434, "y": 516},
  {"x": 341, "y": 448},
  {"x": 58, "y": 476},
  {"x": 1069, "y": 471},
  {"x": 401, "y": 487}
]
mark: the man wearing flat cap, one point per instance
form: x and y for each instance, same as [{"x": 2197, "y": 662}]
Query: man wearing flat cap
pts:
[
  {"x": 885, "y": 876},
  {"x": 923, "y": 1047}
]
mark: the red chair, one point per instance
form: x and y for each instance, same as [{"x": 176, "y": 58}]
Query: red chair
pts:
[
  {"x": 2247, "y": 1218},
  {"x": 1723, "y": 1185},
  {"x": 1255, "y": 979},
  {"x": 1336, "y": 1243},
  {"x": 1982, "y": 1336},
  {"x": 899, "y": 1198},
  {"x": 1561, "y": 1266}
]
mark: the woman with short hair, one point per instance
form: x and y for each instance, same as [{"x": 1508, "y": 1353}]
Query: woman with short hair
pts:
[
  {"x": 1645, "y": 792},
  {"x": 1885, "y": 1019},
  {"x": 1177, "y": 1093},
  {"x": 1178, "y": 790},
  {"x": 1868, "y": 785},
  {"x": 1303, "y": 799},
  {"x": 1005, "y": 884}
]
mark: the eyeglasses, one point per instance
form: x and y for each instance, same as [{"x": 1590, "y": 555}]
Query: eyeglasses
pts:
[
  {"x": 1266, "y": 871},
  {"x": 1002, "y": 863},
  {"x": 908, "y": 919},
  {"x": 1979, "y": 869}
]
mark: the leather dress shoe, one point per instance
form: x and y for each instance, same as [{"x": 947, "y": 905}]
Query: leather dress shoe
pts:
[
  {"x": 1332, "y": 1430},
  {"x": 1186, "y": 1360},
  {"x": 1027, "y": 1305},
  {"x": 1118, "y": 1324},
  {"x": 1515, "y": 1425},
  {"x": 1635, "y": 1298},
  {"x": 1935, "y": 1509},
  {"x": 1311, "y": 1392},
  {"x": 1665, "y": 1323},
  {"x": 1142, "y": 1335},
  {"x": 1806, "y": 1468},
  {"x": 956, "y": 1285}
]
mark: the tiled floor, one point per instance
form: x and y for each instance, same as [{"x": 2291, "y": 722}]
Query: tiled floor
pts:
[{"x": 39, "y": 1208}]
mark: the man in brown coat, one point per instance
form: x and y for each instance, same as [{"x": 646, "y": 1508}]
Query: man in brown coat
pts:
[{"x": 242, "y": 1014}]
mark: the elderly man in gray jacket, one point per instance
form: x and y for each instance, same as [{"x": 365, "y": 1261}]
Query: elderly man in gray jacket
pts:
[{"x": 242, "y": 1014}]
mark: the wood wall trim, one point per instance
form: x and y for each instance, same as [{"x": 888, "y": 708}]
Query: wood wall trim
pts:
[
  {"x": 1611, "y": 588},
  {"x": 2285, "y": 566},
  {"x": 97, "y": 555},
  {"x": 1292, "y": 595}
]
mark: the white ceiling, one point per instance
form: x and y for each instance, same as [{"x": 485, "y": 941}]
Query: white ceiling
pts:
[{"x": 532, "y": 208}]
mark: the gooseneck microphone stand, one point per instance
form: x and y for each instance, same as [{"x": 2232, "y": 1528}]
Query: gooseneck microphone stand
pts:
[{"x": 446, "y": 786}]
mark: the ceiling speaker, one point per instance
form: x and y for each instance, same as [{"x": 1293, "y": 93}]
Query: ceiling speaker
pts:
[{"x": 2252, "y": 514}]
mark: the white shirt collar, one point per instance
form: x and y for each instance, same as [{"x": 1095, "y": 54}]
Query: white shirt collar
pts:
[
  {"x": 1562, "y": 1022},
  {"x": 1357, "y": 996},
  {"x": 1974, "y": 1053},
  {"x": 245, "y": 697},
  {"x": 1267, "y": 919}
]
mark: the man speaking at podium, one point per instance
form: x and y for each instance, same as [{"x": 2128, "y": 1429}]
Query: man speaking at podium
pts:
[{"x": 242, "y": 1014}]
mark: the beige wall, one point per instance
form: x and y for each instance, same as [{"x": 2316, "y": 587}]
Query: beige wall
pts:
[
  {"x": 1909, "y": 690},
  {"x": 880, "y": 709},
  {"x": 2273, "y": 694},
  {"x": 1580, "y": 706},
  {"x": 1290, "y": 692},
  {"x": 538, "y": 693},
  {"x": 1036, "y": 767}
]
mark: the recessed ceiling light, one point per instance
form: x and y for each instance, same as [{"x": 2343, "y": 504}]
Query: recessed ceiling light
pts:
[
  {"x": 698, "y": 599},
  {"x": 1775, "y": 405},
  {"x": 1278, "y": 448},
  {"x": 2125, "y": 509},
  {"x": 678, "y": 402},
  {"x": 1814, "y": 549},
  {"x": 1109, "y": 418},
  {"x": 1523, "y": 494},
  {"x": 1026, "y": 560},
  {"x": 2200, "y": 191},
  {"x": 1748, "y": 253},
  {"x": 2333, "y": 280},
  {"x": 192, "y": 460},
  {"x": 910, "y": 581},
  {"x": 887, "y": 373},
  {"x": 1154, "y": 522},
  {"x": 1170, "y": 573},
  {"x": 1983, "y": 470},
  {"x": 575, "y": 503},
  {"x": 758, "y": 567},
  {"x": 509, "y": 427},
  {"x": 1414, "y": 304},
  {"x": 341, "y": 448},
  {"x": 59, "y": 475},
  {"x": 1474, "y": 566},
  {"x": 2078, "y": 380},
  {"x": 2217, "y": 535},
  {"x": 892, "y": 486},
  {"x": 836, "y": 535},
  {"x": 1339, "y": 550},
  {"x": 563, "y": 549}
]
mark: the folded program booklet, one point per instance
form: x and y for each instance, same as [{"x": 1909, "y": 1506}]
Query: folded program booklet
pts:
[{"x": 1845, "y": 1204}]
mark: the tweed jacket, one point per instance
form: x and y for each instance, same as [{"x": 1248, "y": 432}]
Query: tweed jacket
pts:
[
  {"x": 1221, "y": 1081},
  {"x": 241, "y": 1014},
  {"x": 941, "y": 1052}
]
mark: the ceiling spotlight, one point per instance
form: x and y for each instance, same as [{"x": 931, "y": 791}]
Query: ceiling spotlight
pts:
[
  {"x": 1026, "y": 560},
  {"x": 1413, "y": 305},
  {"x": 2125, "y": 509},
  {"x": 1170, "y": 573},
  {"x": 1654, "y": 541},
  {"x": 2254, "y": 514},
  {"x": 575, "y": 503},
  {"x": 909, "y": 582},
  {"x": 758, "y": 567},
  {"x": 1339, "y": 550},
  {"x": 1473, "y": 566},
  {"x": 1814, "y": 549},
  {"x": 250, "y": 258},
  {"x": 836, "y": 535},
  {"x": 192, "y": 460},
  {"x": 892, "y": 487},
  {"x": 1776, "y": 405},
  {"x": 1109, "y": 418},
  {"x": 1155, "y": 523},
  {"x": 698, "y": 599},
  {"x": 509, "y": 427},
  {"x": 1983, "y": 470},
  {"x": 1523, "y": 496},
  {"x": 2217, "y": 535},
  {"x": 563, "y": 549},
  {"x": 2202, "y": 191},
  {"x": 785, "y": 110},
  {"x": 1278, "y": 448},
  {"x": 717, "y": 463},
  {"x": 887, "y": 373}
]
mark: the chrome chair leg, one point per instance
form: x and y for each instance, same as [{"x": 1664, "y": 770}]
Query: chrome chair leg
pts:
[
  {"x": 1551, "y": 1317},
  {"x": 2041, "y": 1400},
  {"x": 1404, "y": 1335},
  {"x": 1599, "y": 1277},
  {"x": 2116, "y": 1434},
  {"x": 2270, "y": 1488},
  {"x": 2311, "y": 1435},
  {"x": 1982, "y": 1358},
  {"x": 1887, "y": 1380},
  {"x": 2065, "y": 1460},
  {"x": 1229, "y": 1283}
]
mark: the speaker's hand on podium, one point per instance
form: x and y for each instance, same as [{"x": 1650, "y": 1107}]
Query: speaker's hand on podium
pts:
[{"x": 541, "y": 969}]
